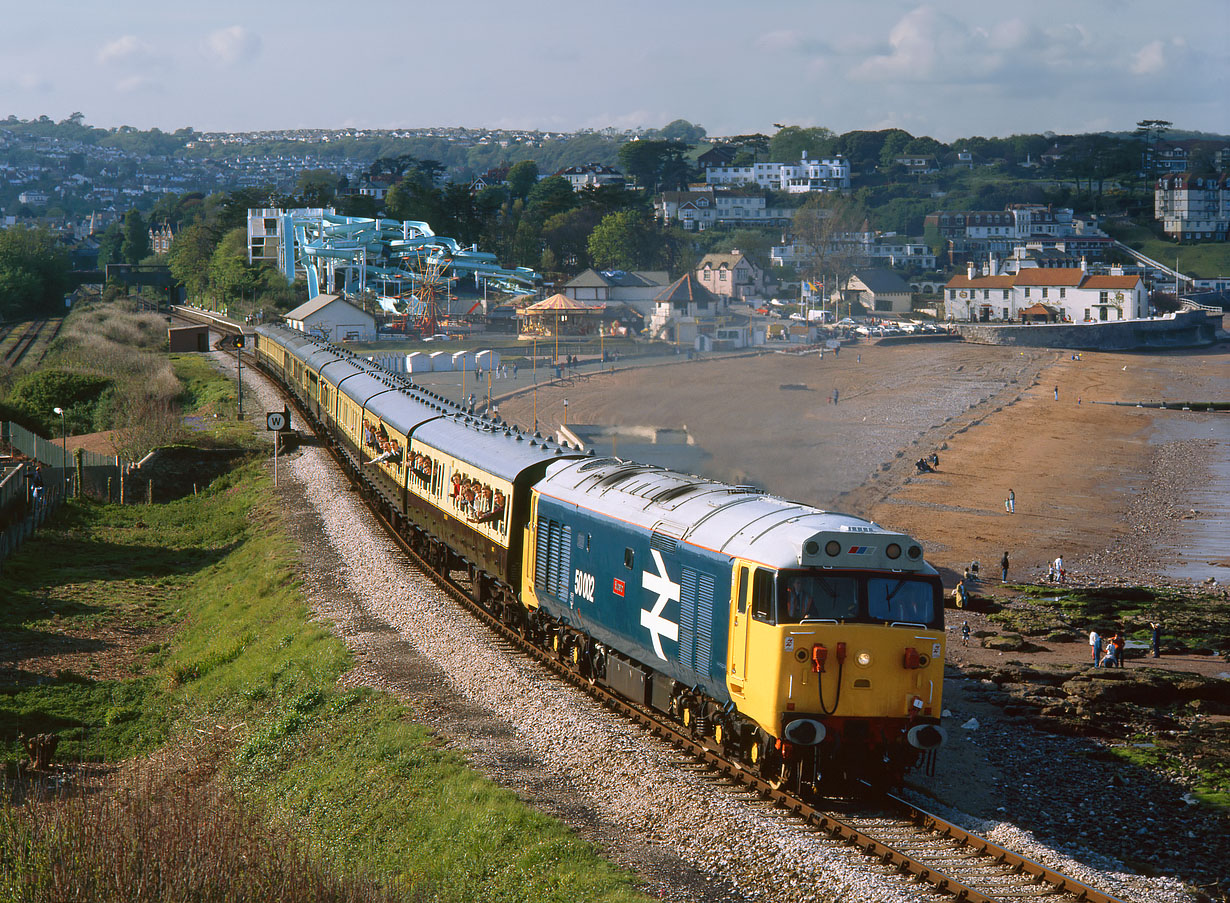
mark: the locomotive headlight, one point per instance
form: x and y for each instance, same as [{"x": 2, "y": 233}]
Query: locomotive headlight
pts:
[
  {"x": 893, "y": 551},
  {"x": 832, "y": 548},
  {"x": 915, "y": 552},
  {"x": 863, "y": 659}
]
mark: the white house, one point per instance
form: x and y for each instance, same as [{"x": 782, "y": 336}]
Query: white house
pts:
[
  {"x": 795, "y": 178},
  {"x": 333, "y": 319},
  {"x": 1066, "y": 293},
  {"x": 1193, "y": 207},
  {"x": 730, "y": 275}
]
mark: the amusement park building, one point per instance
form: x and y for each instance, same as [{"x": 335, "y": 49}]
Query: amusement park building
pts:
[{"x": 334, "y": 319}]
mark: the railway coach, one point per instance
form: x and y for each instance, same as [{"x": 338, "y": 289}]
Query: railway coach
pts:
[
  {"x": 809, "y": 644},
  {"x": 456, "y": 485}
]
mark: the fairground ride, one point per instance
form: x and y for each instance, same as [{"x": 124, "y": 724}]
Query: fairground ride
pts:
[{"x": 407, "y": 269}]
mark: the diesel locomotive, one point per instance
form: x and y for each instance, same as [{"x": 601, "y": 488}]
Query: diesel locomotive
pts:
[{"x": 806, "y": 643}]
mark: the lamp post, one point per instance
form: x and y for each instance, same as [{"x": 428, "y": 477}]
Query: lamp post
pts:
[
  {"x": 63, "y": 443},
  {"x": 565, "y": 412}
]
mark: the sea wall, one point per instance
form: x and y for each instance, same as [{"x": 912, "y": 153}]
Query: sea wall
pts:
[{"x": 1185, "y": 329}]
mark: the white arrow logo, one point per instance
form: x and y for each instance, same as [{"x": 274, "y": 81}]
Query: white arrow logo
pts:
[{"x": 666, "y": 590}]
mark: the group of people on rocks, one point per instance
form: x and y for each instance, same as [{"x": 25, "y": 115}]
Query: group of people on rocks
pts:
[
  {"x": 478, "y": 502},
  {"x": 1107, "y": 652},
  {"x": 929, "y": 464}
]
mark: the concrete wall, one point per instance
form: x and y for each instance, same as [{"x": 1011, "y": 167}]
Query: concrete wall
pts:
[{"x": 1184, "y": 330}]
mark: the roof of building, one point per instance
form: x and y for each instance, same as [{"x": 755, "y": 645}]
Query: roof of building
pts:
[
  {"x": 1065, "y": 277},
  {"x": 723, "y": 260},
  {"x": 592, "y": 278},
  {"x": 686, "y": 290},
  {"x": 882, "y": 282},
  {"x": 320, "y": 302},
  {"x": 560, "y": 302}
]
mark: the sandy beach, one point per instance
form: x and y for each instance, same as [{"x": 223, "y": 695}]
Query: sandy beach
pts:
[{"x": 1111, "y": 488}]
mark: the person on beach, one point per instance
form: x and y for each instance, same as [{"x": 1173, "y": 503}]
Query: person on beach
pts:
[
  {"x": 1095, "y": 645},
  {"x": 1003, "y": 567},
  {"x": 1156, "y": 627},
  {"x": 1116, "y": 644},
  {"x": 1057, "y": 393},
  {"x": 834, "y": 396},
  {"x": 1108, "y": 660},
  {"x": 960, "y": 595},
  {"x": 1059, "y": 571},
  {"x": 965, "y": 633},
  {"x": 1010, "y": 502}
]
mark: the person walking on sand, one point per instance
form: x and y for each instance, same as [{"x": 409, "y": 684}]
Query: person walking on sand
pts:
[
  {"x": 1057, "y": 393},
  {"x": 1059, "y": 571},
  {"x": 965, "y": 633},
  {"x": 1003, "y": 567},
  {"x": 1010, "y": 502},
  {"x": 834, "y": 396},
  {"x": 1117, "y": 643},
  {"x": 1095, "y": 644},
  {"x": 1156, "y": 627}
]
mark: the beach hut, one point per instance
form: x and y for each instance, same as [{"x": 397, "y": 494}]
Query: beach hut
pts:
[
  {"x": 488, "y": 360},
  {"x": 463, "y": 360},
  {"x": 442, "y": 361},
  {"x": 418, "y": 362}
]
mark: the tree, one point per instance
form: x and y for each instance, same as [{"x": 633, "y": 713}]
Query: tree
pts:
[
  {"x": 633, "y": 240},
  {"x": 792, "y": 142},
  {"x": 190, "y": 256},
  {"x": 550, "y": 196},
  {"x": 229, "y": 273},
  {"x": 828, "y": 225},
  {"x": 521, "y": 178},
  {"x": 34, "y": 272},
  {"x": 566, "y": 235},
  {"x": 109, "y": 244},
  {"x": 135, "y": 245},
  {"x": 316, "y": 187},
  {"x": 656, "y": 165},
  {"x": 679, "y": 130}
]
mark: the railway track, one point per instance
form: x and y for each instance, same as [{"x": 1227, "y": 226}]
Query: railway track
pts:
[
  {"x": 890, "y": 831},
  {"x": 13, "y": 356}
]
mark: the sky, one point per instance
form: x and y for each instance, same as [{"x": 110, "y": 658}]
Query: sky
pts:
[{"x": 948, "y": 69}]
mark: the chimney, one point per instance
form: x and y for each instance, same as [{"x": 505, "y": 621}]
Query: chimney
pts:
[
  {"x": 969, "y": 270},
  {"x": 1084, "y": 265},
  {"x": 994, "y": 266}
]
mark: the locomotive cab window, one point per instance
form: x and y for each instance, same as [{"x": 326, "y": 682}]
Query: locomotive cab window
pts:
[
  {"x": 815, "y": 596},
  {"x": 762, "y": 595},
  {"x": 629, "y": 559},
  {"x": 892, "y": 599},
  {"x": 742, "y": 601}
]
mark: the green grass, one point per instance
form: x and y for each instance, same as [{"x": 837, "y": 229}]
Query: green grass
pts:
[
  {"x": 205, "y": 589},
  {"x": 1203, "y": 259},
  {"x": 1209, "y": 779}
]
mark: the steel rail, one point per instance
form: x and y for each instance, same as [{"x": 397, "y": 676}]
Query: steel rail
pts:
[{"x": 826, "y": 822}]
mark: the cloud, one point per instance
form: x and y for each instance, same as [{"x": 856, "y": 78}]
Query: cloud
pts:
[
  {"x": 232, "y": 45},
  {"x": 124, "y": 49}
]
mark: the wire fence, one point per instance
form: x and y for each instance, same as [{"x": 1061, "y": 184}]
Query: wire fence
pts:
[{"x": 39, "y": 474}]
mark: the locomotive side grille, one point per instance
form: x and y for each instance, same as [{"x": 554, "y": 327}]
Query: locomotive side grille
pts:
[
  {"x": 704, "y": 639},
  {"x": 663, "y": 542},
  {"x": 695, "y": 635},
  {"x": 687, "y": 618},
  {"x": 553, "y": 558}
]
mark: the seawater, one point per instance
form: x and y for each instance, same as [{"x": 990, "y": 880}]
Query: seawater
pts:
[{"x": 1202, "y": 546}]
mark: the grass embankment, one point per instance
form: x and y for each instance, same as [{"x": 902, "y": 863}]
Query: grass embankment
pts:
[
  {"x": 1203, "y": 259},
  {"x": 132, "y": 633}
]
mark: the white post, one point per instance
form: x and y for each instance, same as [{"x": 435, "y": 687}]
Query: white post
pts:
[{"x": 277, "y": 441}]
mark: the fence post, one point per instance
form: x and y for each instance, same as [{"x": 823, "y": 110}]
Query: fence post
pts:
[{"x": 79, "y": 467}]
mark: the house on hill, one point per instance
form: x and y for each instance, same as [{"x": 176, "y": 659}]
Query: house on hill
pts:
[{"x": 636, "y": 288}]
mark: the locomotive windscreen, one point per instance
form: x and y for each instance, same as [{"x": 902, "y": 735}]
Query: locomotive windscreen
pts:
[{"x": 822, "y": 595}]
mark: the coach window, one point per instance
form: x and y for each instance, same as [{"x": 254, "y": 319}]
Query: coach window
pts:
[{"x": 762, "y": 595}]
